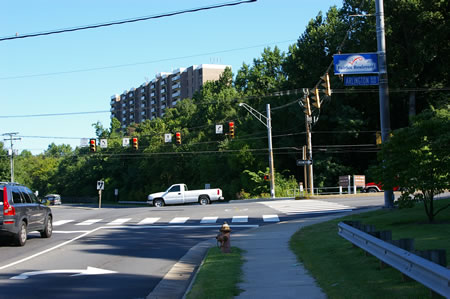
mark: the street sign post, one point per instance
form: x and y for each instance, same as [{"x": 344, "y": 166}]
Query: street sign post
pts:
[{"x": 100, "y": 187}]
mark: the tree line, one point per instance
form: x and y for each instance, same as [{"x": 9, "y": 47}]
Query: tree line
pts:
[{"x": 343, "y": 135}]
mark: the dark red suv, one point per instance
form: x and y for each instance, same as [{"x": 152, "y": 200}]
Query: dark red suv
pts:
[{"x": 21, "y": 212}]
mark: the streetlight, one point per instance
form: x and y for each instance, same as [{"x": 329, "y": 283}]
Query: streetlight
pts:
[{"x": 268, "y": 124}]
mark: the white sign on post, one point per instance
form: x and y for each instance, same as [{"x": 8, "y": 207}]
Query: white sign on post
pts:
[
  {"x": 100, "y": 185},
  {"x": 219, "y": 129},
  {"x": 84, "y": 142},
  {"x": 103, "y": 143},
  {"x": 167, "y": 138},
  {"x": 125, "y": 142}
]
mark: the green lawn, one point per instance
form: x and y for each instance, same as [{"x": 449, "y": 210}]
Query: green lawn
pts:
[
  {"x": 219, "y": 275},
  {"x": 343, "y": 271}
]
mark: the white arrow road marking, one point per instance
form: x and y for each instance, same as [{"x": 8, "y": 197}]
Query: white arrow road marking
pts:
[{"x": 88, "y": 271}]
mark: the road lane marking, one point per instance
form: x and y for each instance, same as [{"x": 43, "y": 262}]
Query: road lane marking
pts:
[
  {"x": 49, "y": 249},
  {"x": 117, "y": 227},
  {"x": 178, "y": 220},
  {"x": 119, "y": 221},
  {"x": 149, "y": 220},
  {"x": 61, "y": 222},
  {"x": 271, "y": 218},
  {"x": 89, "y": 222},
  {"x": 209, "y": 220},
  {"x": 239, "y": 219},
  {"x": 79, "y": 272}
]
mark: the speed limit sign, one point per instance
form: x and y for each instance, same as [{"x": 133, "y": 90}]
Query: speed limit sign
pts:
[{"x": 100, "y": 185}]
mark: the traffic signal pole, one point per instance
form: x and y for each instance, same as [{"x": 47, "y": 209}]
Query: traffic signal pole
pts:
[{"x": 385, "y": 122}]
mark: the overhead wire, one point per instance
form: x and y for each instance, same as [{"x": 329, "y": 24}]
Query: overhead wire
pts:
[{"x": 120, "y": 22}]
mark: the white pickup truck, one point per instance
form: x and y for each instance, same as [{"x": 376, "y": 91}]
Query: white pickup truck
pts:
[{"x": 179, "y": 194}]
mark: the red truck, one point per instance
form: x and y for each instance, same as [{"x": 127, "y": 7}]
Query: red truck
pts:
[{"x": 376, "y": 187}]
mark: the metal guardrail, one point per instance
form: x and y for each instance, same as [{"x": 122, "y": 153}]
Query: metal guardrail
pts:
[{"x": 431, "y": 275}]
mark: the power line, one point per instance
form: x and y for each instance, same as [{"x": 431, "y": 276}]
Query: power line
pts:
[
  {"x": 120, "y": 22},
  {"x": 142, "y": 63},
  {"x": 274, "y": 94}
]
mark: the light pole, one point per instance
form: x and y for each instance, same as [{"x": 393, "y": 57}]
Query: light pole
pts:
[{"x": 268, "y": 124}]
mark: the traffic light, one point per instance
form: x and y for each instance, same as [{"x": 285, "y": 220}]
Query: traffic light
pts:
[
  {"x": 378, "y": 138},
  {"x": 231, "y": 129},
  {"x": 326, "y": 84},
  {"x": 93, "y": 145},
  {"x": 307, "y": 105},
  {"x": 316, "y": 98},
  {"x": 178, "y": 137},
  {"x": 135, "y": 143},
  {"x": 266, "y": 177}
]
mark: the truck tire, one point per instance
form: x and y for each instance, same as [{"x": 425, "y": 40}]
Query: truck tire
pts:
[
  {"x": 203, "y": 200},
  {"x": 159, "y": 203},
  {"x": 372, "y": 190}
]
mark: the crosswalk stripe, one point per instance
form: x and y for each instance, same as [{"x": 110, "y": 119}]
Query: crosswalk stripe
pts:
[
  {"x": 209, "y": 220},
  {"x": 178, "y": 220},
  {"x": 239, "y": 219},
  {"x": 149, "y": 220},
  {"x": 61, "y": 222},
  {"x": 89, "y": 222},
  {"x": 271, "y": 218},
  {"x": 119, "y": 221}
]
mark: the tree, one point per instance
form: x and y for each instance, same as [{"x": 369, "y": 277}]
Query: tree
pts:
[
  {"x": 4, "y": 164},
  {"x": 417, "y": 158}
]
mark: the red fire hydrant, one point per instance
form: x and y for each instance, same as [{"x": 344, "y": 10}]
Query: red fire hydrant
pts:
[{"x": 223, "y": 238}]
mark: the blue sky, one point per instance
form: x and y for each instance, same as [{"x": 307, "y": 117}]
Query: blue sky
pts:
[{"x": 80, "y": 71}]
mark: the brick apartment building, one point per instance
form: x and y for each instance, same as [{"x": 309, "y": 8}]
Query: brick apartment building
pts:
[{"x": 152, "y": 98}]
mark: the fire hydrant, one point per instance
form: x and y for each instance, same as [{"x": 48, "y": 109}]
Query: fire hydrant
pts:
[{"x": 223, "y": 238}]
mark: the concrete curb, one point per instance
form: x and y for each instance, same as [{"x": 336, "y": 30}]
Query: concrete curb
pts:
[{"x": 175, "y": 283}]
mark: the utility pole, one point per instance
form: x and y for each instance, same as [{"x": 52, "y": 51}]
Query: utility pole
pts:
[
  {"x": 308, "y": 122},
  {"x": 385, "y": 122},
  {"x": 11, "y": 138},
  {"x": 268, "y": 124}
]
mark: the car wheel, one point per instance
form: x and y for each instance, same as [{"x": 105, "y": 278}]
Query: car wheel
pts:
[
  {"x": 203, "y": 200},
  {"x": 48, "y": 230},
  {"x": 21, "y": 236},
  {"x": 158, "y": 203},
  {"x": 372, "y": 190}
]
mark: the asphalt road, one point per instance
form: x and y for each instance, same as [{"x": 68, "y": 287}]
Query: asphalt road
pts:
[{"x": 124, "y": 252}]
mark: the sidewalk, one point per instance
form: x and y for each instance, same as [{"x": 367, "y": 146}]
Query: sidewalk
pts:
[{"x": 270, "y": 269}]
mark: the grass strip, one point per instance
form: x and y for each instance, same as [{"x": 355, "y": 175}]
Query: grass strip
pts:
[
  {"x": 344, "y": 271},
  {"x": 219, "y": 275}
]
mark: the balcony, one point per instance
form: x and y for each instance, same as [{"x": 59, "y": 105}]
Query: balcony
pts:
[
  {"x": 176, "y": 86},
  {"x": 176, "y": 94}
]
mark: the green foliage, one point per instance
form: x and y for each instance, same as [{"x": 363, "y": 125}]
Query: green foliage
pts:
[
  {"x": 343, "y": 137},
  {"x": 5, "y": 173},
  {"x": 417, "y": 158}
]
